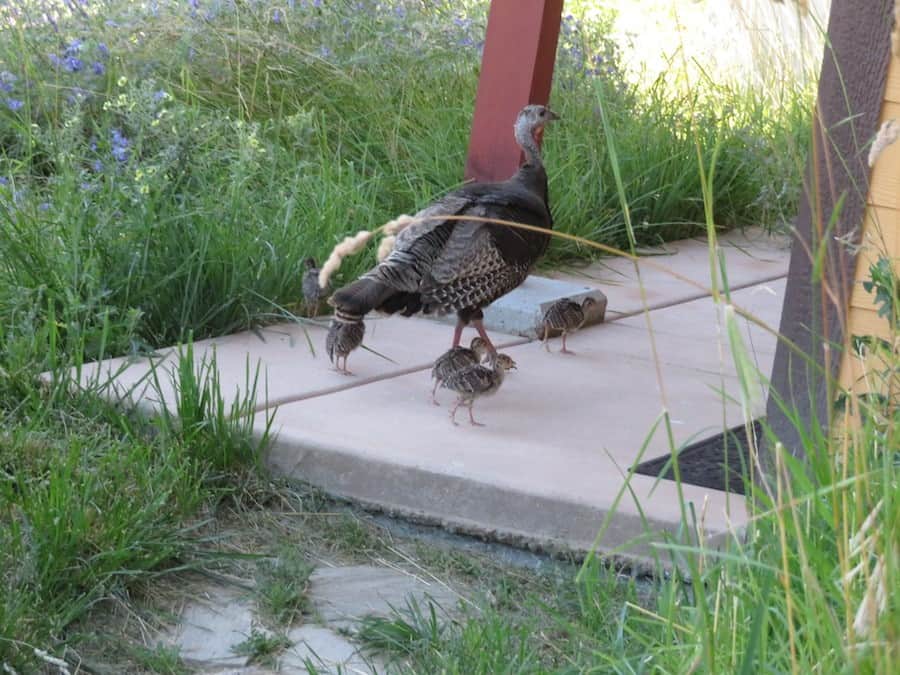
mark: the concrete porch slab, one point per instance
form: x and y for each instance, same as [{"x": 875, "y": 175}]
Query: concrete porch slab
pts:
[
  {"x": 752, "y": 256},
  {"x": 291, "y": 359},
  {"x": 547, "y": 467}
]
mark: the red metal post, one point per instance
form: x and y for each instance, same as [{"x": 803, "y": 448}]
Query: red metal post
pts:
[{"x": 516, "y": 69}]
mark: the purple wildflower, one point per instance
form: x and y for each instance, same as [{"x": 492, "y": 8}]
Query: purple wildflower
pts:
[
  {"x": 276, "y": 16},
  {"x": 159, "y": 95},
  {"x": 4, "y": 180},
  {"x": 6, "y": 81},
  {"x": 44, "y": 206},
  {"x": 73, "y": 64},
  {"x": 55, "y": 60},
  {"x": 317, "y": 3},
  {"x": 103, "y": 50},
  {"x": 85, "y": 186},
  {"x": 120, "y": 146},
  {"x": 324, "y": 52},
  {"x": 14, "y": 104},
  {"x": 74, "y": 47},
  {"x": 97, "y": 166},
  {"x": 98, "y": 68}
]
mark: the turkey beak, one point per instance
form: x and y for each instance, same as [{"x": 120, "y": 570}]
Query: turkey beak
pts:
[{"x": 551, "y": 115}]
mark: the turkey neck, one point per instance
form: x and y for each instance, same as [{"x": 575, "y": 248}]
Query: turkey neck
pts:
[{"x": 531, "y": 174}]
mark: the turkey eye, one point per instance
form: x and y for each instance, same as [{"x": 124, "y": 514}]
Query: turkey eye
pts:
[{"x": 543, "y": 112}]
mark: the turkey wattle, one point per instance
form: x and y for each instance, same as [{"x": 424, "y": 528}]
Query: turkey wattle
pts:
[{"x": 441, "y": 266}]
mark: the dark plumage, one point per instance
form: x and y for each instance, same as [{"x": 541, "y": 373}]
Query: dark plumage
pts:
[
  {"x": 455, "y": 359},
  {"x": 566, "y": 316},
  {"x": 312, "y": 292},
  {"x": 344, "y": 335},
  {"x": 474, "y": 382},
  {"x": 440, "y": 266}
]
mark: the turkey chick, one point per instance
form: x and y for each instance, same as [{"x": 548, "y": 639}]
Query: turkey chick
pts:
[
  {"x": 313, "y": 294},
  {"x": 564, "y": 315},
  {"x": 474, "y": 382},
  {"x": 344, "y": 335},
  {"x": 455, "y": 359}
]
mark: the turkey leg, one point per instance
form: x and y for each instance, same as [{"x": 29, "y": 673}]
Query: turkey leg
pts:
[
  {"x": 479, "y": 326},
  {"x": 457, "y": 333}
]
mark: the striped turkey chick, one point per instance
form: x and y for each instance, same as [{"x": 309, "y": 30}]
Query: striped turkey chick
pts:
[
  {"x": 474, "y": 382},
  {"x": 344, "y": 335},
  {"x": 456, "y": 359},
  {"x": 313, "y": 294},
  {"x": 566, "y": 316},
  {"x": 506, "y": 361}
]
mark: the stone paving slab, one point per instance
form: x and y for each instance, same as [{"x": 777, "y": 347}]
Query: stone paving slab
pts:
[
  {"x": 292, "y": 361},
  {"x": 344, "y": 595},
  {"x": 752, "y": 256},
  {"x": 211, "y": 626}
]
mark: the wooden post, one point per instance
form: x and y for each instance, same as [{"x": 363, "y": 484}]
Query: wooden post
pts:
[
  {"x": 516, "y": 69},
  {"x": 831, "y": 216}
]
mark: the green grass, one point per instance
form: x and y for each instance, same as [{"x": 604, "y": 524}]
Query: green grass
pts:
[
  {"x": 272, "y": 141},
  {"x": 253, "y": 144},
  {"x": 262, "y": 648},
  {"x": 282, "y": 585}
]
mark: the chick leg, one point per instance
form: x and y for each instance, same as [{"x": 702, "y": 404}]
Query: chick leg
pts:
[
  {"x": 434, "y": 392},
  {"x": 564, "y": 350},
  {"x": 345, "y": 370},
  {"x": 546, "y": 338},
  {"x": 471, "y": 418},
  {"x": 453, "y": 412}
]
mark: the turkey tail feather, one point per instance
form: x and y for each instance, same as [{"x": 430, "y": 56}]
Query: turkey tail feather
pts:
[
  {"x": 360, "y": 297},
  {"x": 365, "y": 294}
]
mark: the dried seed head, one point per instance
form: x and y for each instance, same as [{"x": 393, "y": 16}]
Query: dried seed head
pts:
[{"x": 887, "y": 134}]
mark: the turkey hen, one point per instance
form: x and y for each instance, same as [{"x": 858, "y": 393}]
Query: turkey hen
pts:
[{"x": 441, "y": 266}]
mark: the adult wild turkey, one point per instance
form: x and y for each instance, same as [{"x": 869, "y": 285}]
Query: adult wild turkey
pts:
[{"x": 440, "y": 266}]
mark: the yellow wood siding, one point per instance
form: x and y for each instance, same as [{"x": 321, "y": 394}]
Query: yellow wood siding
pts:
[
  {"x": 884, "y": 186},
  {"x": 880, "y": 237},
  {"x": 892, "y": 89}
]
